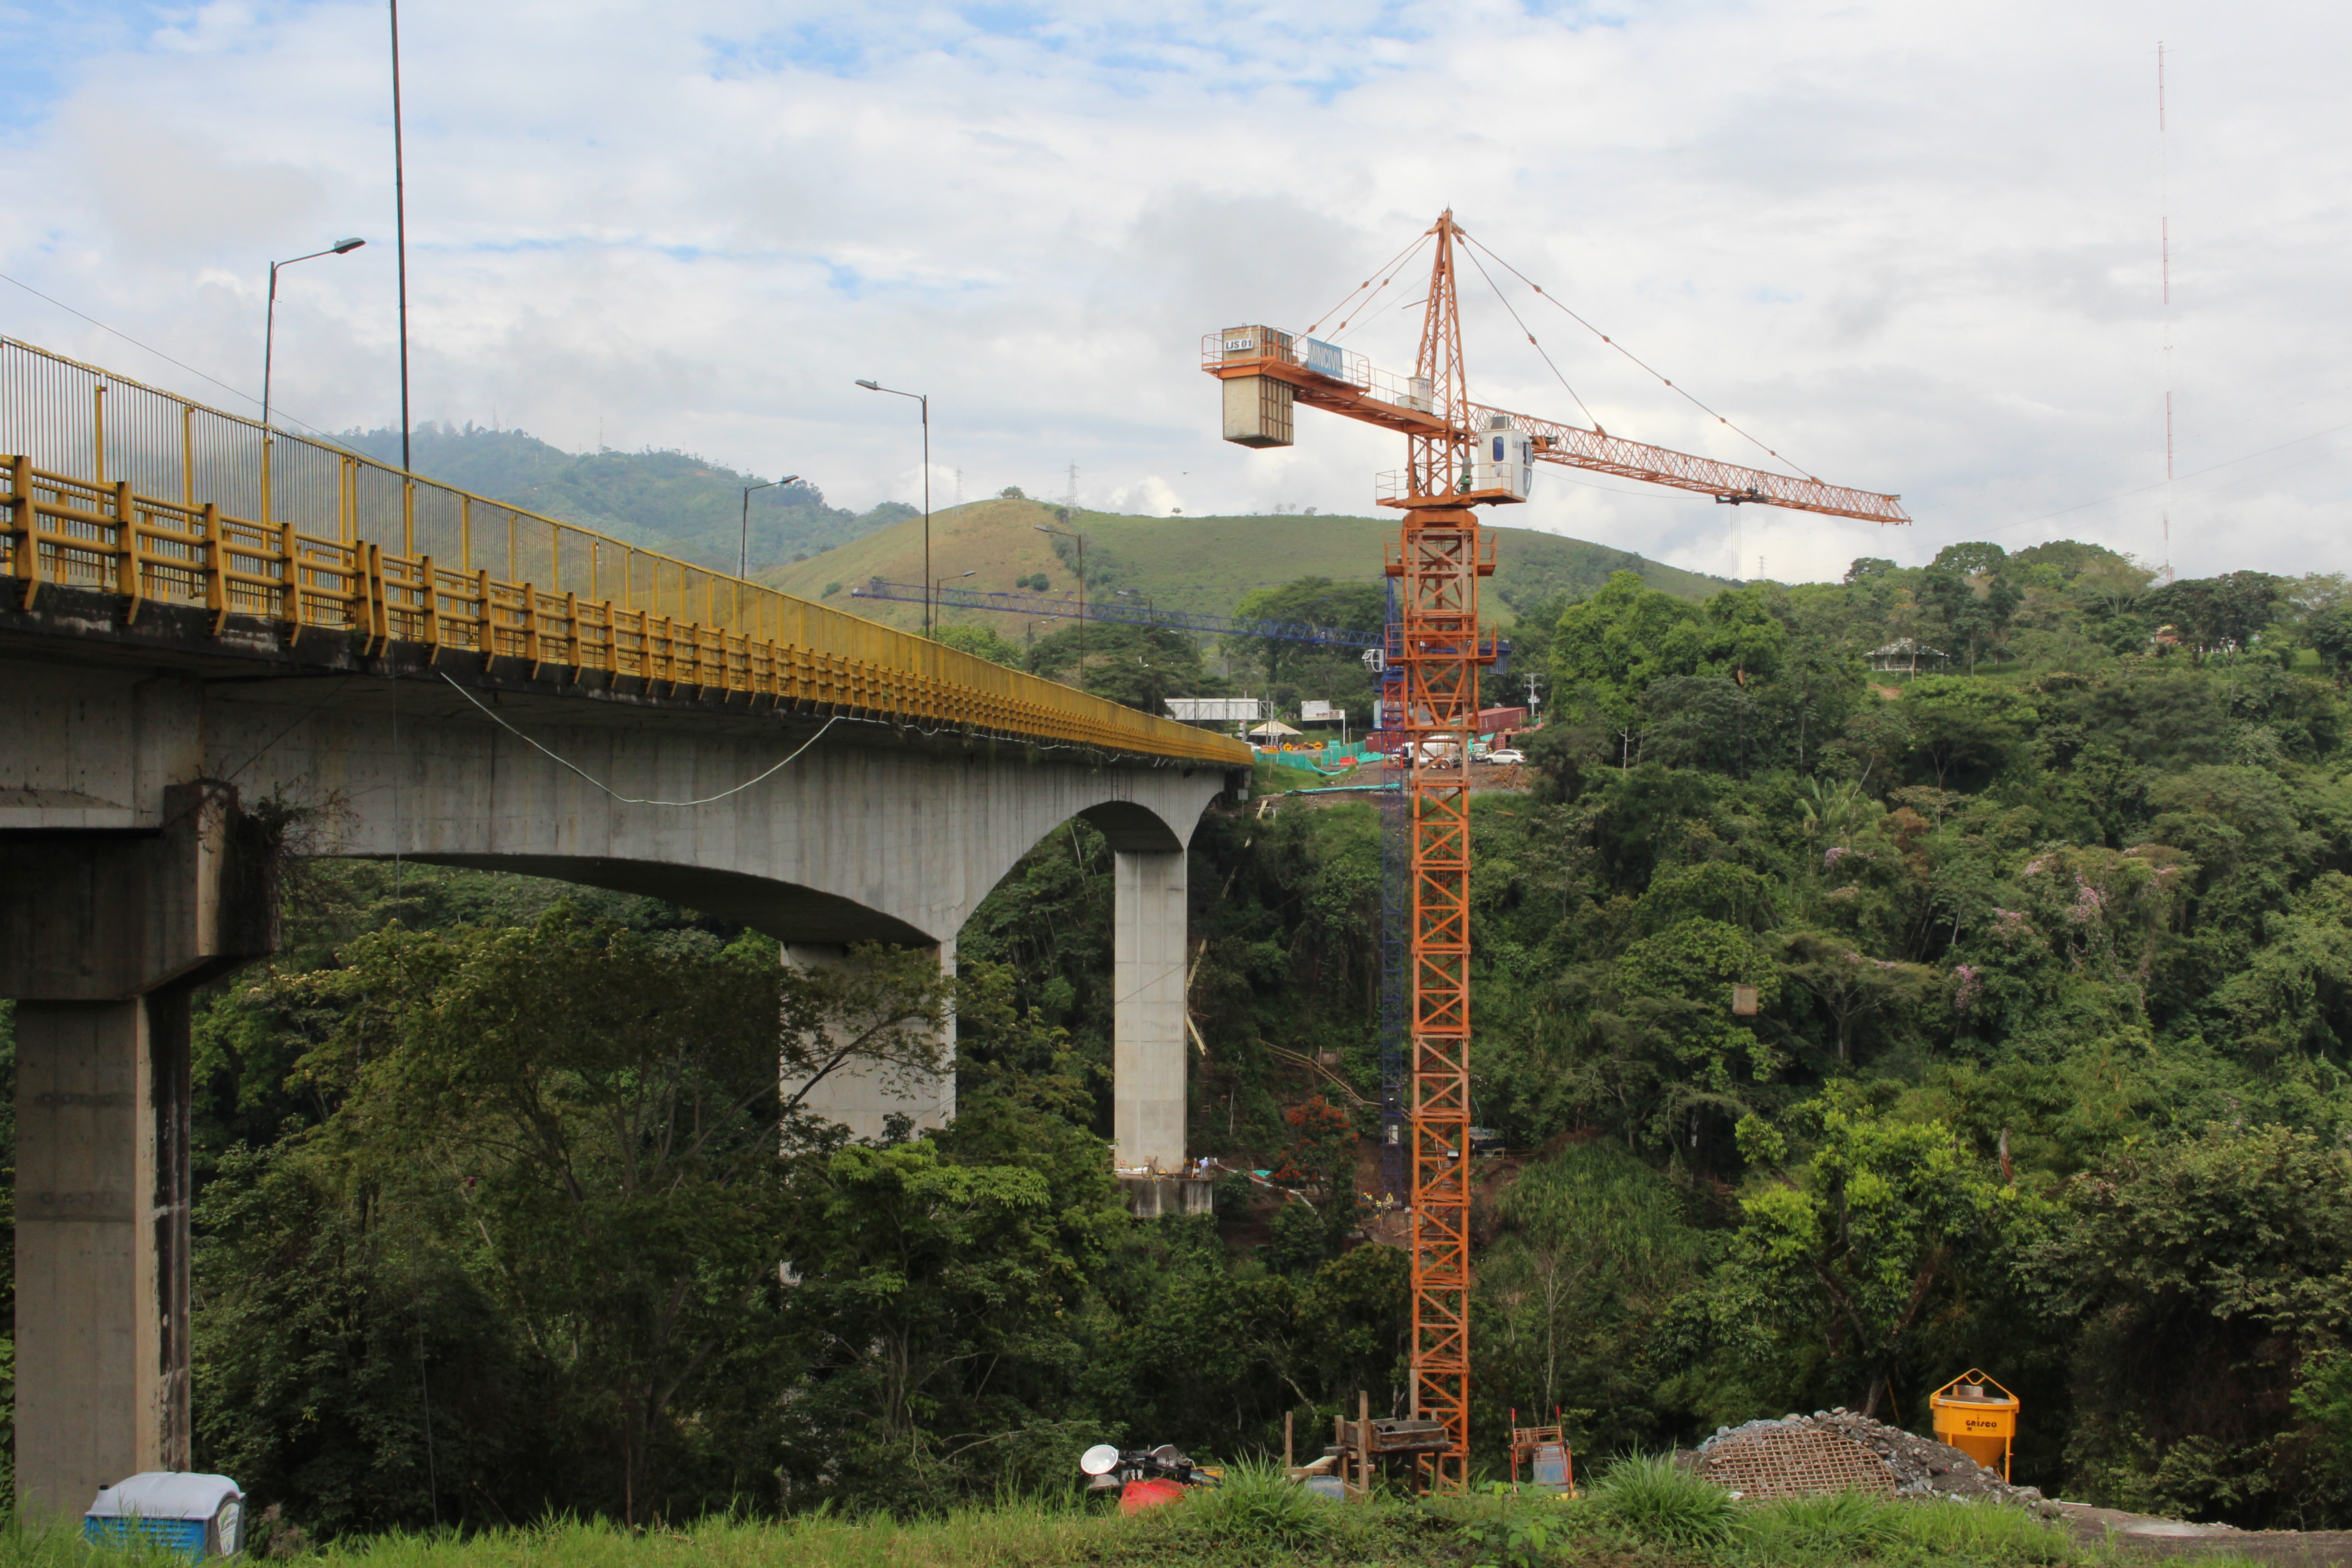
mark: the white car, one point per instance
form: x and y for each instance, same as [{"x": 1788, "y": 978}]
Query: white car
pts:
[{"x": 1508, "y": 755}]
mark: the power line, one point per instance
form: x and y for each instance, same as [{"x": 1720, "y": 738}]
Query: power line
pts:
[
  {"x": 167, "y": 358},
  {"x": 2168, "y": 479}
]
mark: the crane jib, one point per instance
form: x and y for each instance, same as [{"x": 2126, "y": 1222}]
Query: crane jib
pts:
[{"x": 1306, "y": 371}]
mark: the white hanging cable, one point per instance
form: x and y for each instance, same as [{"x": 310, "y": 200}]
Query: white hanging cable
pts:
[{"x": 630, "y": 799}]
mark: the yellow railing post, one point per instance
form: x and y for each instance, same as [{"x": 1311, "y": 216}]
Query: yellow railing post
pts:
[
  {"x": 126, "y": 545},
  {"x": 23, "y": 554},
  {"x": 215, "y": 566},
  {"x": 432, "y": 629}
]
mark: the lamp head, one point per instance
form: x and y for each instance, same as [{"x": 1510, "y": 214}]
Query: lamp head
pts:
[
  {"x": 345, "y": 247},
  {"x": 871, "y": 386},
  {"x": 790, "y": 479}
]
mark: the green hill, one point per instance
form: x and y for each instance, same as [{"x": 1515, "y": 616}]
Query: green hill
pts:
[
  {"x": 1201, "y": 564},
  {"x": 671, "y": 501}
]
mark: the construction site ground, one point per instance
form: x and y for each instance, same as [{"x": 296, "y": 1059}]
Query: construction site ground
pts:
[
  {"x": 1797, "y": 1455},
  {"x": 1486, "y": 778},
  {"x": 2143, "y": 1535}
]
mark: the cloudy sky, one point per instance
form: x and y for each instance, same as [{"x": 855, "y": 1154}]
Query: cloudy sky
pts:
[{"x": 1913, "y": 246}]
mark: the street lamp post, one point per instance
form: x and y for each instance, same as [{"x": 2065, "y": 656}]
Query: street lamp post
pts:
[
  {"x": 939, "y": 583},
  {"x": 924, "y": 398},
  {"x": 743, "y": 556},
  {"x": 269, "y": 319},
  {"x": 1082, "y": 594}
]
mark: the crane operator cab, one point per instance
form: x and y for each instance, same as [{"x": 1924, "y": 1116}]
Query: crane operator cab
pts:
[{"x": 1502, "y": 458}]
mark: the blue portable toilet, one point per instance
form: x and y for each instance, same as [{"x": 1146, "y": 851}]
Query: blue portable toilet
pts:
[{"x": 198, "y": 1516}]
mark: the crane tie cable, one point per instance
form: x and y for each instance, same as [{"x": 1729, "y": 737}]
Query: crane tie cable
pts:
[
  {"x": 1388, "y": 266},
  {"x": 629, "y": 799},
  {"x": 1537, "y": 347},
  {"x": 1637, "y": 359}
]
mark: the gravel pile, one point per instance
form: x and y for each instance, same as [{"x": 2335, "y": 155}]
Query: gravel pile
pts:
[{"x": 1922, "y": 1466}]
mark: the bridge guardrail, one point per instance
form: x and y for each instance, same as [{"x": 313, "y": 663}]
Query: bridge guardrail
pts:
[{"x": 63, "y": 522}]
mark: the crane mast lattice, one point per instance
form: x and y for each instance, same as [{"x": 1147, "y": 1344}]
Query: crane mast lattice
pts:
[{"x": 1459, "y": 456}]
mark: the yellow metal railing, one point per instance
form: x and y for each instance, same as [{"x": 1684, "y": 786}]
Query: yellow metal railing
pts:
[{"x": 599, "y": 605}]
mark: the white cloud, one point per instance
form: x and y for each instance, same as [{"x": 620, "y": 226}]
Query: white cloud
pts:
[{"x": 1914, "y": 248}]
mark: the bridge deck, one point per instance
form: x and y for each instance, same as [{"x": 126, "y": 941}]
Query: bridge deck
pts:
[{"x": 112, "y": 486}]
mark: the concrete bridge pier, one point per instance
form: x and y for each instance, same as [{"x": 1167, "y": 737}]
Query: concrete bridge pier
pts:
[
  {"x": 1148, "y": 973},
  {"x": 102, "y": 937},
  {"x": 863, "y": 1101}
]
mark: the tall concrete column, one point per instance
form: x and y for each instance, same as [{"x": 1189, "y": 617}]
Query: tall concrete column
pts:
[
  {"x": 101, "y": 1245},
  {"x": 102, "y": 938},
  {"x": 1147, "y": 928},
  {"x": 863, "y": 1100}
]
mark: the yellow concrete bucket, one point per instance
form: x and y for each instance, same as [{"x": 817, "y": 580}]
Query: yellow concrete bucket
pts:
[{"x": 1979, "y": 1418}]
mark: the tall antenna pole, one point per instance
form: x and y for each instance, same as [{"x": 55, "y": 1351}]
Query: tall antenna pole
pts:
[
  {"x": 400, "y": 232},
  {"x": 2164, "y": 244}
]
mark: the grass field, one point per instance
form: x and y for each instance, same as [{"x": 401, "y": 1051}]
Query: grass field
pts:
[
  {"x": 1642, "y": 1513},
  {"x": 1199, "y": 564}
]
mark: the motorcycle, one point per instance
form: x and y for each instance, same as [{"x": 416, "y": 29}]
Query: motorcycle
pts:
[{"x": 1142, "y": 1477}]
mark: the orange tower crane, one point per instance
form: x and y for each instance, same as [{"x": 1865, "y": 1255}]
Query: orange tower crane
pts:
[{"x": 1459, "y": 456}]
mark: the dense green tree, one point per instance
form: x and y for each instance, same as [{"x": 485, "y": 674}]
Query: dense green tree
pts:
[
  {"x": 982, "y": 642},
  {"x": 1592, "y": 1246},
  {"x": 2213, "y": 1279},
  {"x": 1851, "y": 1250},
  {"x": 1138, "y": 666},
  {"x": 1958, "y": 724},
  {"x": 1306, "y": 601},
  {"x": 2227, "y": 612}
]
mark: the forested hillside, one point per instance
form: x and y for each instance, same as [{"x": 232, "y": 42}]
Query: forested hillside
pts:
[
  {"x": 2053, "y": 966},
  {"x": 2051, "y": 956}
]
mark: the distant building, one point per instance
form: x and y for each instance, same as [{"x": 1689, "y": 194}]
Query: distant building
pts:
[
  {"x": 1904, "y": 655},
  {"x": 1214, "y": 710}
]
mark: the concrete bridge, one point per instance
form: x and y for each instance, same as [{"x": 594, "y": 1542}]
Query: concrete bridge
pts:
[{"x": 175, "y": 677}]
